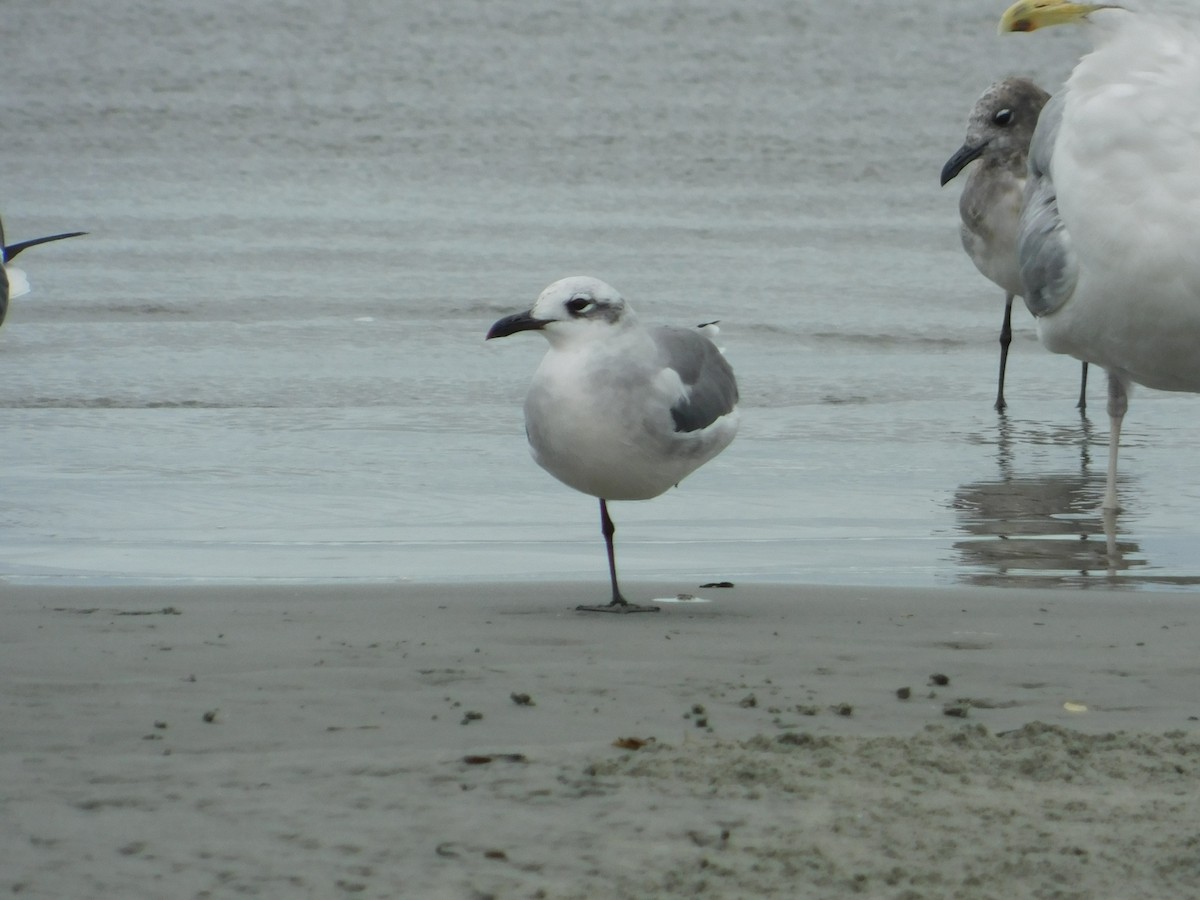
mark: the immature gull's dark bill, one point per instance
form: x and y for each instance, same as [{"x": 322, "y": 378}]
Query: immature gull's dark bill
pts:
[
  {"x": 998, "y": 133},
  {"x": 617, "y": 410},
  {"x": 1107, "y": 242}
]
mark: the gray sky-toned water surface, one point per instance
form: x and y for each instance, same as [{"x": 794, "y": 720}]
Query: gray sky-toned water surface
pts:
[{"x": 266, "y": 360}]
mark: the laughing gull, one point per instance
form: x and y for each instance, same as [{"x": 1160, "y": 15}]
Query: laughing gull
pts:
[
  {"x": 998, "y": 134},
  {"x": 13, "y": 282},
  {"x": 617, "y": 410},
  {"x": 1108, "y": 236}
]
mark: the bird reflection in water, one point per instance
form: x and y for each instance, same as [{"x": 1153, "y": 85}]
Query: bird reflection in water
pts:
[{"x": 1041, "y": 529}]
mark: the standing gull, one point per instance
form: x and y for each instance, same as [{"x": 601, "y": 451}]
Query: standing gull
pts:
[
  {"x": 616, "y": 410},
  {"x": 998, "y": 134},
  {"x": 13, "y": 283},
  {"x": 1108, "y": 235}
]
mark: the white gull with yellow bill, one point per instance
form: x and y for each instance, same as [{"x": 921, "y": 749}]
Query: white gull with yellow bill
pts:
[{"x": 1108, "y": 245}]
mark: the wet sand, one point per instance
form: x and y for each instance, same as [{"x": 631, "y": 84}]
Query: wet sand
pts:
[{"x": 471, "y": 741}]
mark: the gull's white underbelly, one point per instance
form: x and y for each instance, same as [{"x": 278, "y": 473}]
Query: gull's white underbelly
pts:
[
  {"x": 1126, "y": 168},
  {"x": 607, "y": 430}
]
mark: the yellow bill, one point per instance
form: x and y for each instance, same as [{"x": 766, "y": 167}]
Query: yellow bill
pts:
[{"x": 1030, "y": 15}]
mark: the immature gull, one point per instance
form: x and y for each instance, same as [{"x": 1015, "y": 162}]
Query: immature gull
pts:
[
  {"x": 616, "y": 410},
  {"x": 998, "y": 134},
  {"x": 1108, "y": 243},
  {"x": 13, "y": 282}
]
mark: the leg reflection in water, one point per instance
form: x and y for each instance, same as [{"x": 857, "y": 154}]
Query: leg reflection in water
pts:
[{"x": 1039, "y": 528}]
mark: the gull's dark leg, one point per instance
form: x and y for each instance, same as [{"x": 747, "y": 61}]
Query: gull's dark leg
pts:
[
  {"x": 608, "y": 529},
  {"x": 619, "y": 603},
  {"x": 1082, "y": 404},
  {"x": 1005, "y": 340}
]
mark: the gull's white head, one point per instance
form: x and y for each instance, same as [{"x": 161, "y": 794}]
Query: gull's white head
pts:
[{"x": 575, "y": 308}]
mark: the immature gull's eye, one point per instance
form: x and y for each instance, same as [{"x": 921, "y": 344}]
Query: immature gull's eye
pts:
[
  {"x": 578, "y": 305},
  {"x": 1003, "y": 117}
]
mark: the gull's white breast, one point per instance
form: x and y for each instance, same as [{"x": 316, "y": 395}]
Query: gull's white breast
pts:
[
  {"x": 1126, "y": 168},
  {"x": 989, "y": 235},
  {"x": 598, "y": 418}
]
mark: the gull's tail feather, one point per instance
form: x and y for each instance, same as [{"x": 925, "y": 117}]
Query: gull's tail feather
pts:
[{"x": 712, "y": 332}]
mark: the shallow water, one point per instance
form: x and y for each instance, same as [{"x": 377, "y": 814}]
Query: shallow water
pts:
[{"x": 266, "y": 361}]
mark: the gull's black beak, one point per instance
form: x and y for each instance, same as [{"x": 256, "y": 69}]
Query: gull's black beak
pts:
[
  {"x": 963, "y": 155},
  {"x": 13, "y": 249},
  {"x": 512, "y": 324}
]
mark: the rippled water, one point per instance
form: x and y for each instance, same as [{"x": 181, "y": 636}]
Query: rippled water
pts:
[{"x": 266, "y": 360}]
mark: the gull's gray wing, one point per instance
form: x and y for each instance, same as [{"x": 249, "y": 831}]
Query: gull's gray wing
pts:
[
  {"x": 712, "y": 389},
  {"x": 1049, "y": 267}
]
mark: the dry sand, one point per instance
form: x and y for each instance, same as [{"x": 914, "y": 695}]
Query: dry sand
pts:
[{"x": 458, "y": 742}]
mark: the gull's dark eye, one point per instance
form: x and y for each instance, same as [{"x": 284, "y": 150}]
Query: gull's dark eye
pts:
[
  {"x": 1003, "y": 117},
  {"x": 578, "y": 305}
]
